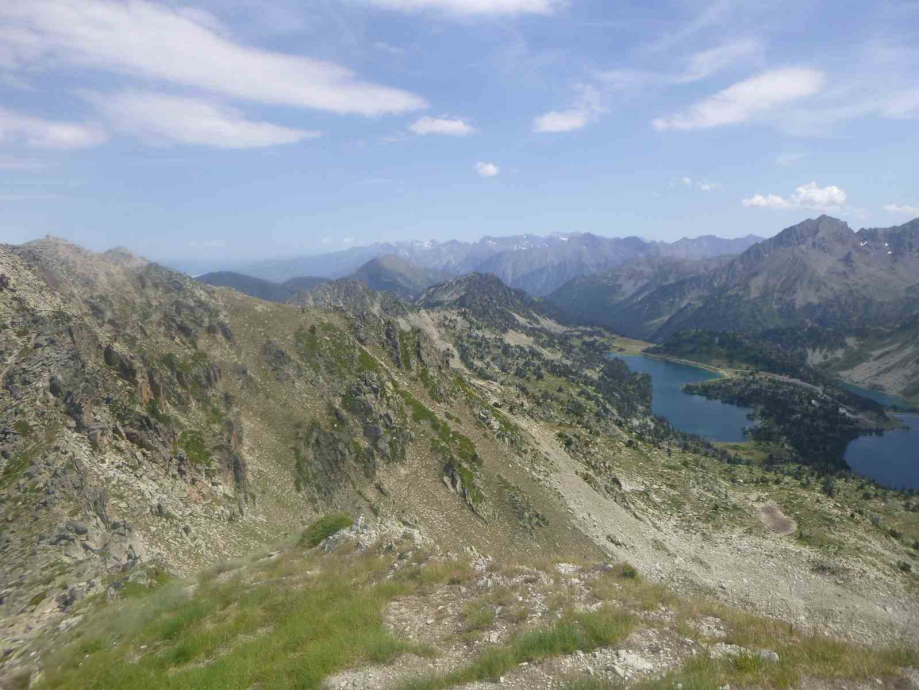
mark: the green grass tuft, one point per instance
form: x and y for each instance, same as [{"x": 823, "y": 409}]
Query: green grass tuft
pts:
[{"x": 323, "y": 528}]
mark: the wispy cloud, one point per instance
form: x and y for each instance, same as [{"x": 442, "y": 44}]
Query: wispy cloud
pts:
[
  {"x": 902, "y": 209},
  {"x": 387, "y": 48},
  {"x": 586, "y": 109},
  {"x": 697, "y": 66},
  {"x": 442, "y": 125},
  {"x": 702, "y": 186},
  {"x": 162, "y": 118},
  {"x": 187, "y": 48},
  {"x": 902, "y": 104},
  {"x": 26, "y": 130},
  {"x": 712, "y": 15},
  {"x": 746, "y": 100},
  {"x": 15, "y": 163},
  {"x": 471, "y": 7},
  {"x": 706, "y": 63},
  {"x": 808, "y": 196},
  {"x": 487, "y": 169}
]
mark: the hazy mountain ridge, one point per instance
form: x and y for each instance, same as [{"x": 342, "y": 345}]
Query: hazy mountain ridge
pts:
[
  {"x": 259, "y": 288},
  {"x": 536, "y": 264},
  {"x": 817, "y": 272},
  {"x": 392, "y": 273}
]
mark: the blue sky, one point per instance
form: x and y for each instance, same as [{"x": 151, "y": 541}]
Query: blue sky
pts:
[{"x": 249, "y": 128}]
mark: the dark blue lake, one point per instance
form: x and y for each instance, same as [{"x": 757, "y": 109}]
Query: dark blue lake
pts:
[
  {"x": 891, "y": 459},
  {"x": 711, "y": 419},
  {"x": 883, "y": 398}
]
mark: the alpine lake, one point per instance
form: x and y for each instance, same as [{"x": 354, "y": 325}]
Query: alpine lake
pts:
[{"x": 891, "y": 459}]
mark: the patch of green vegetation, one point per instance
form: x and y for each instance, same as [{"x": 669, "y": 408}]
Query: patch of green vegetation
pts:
[
  {"x": 192, "y": 442},
  {"x": 38, "y": 598},
  {"x": 154, "y": 410},
  {"x": 408, "y": 342},
  {"x": 367, "y": 362},
  {"x": 430, "y": 385},
  {"x": 22, "y": 332},
  {"x": 156, "y": 577},
  {"x": 457, "y": 451},
  {"x": 325, "y": 346},
  {"x": 814, "y": 658},
  {"x": 23, "y": 428},
  {"x": 15, "y": 466},
  {"x": 214, "y": 414},
  {"x": 236, "y": 635},
  {"x": 172, "y": 363},
  {"x": 307, "y": 340},
  {"x": 324, "y": 528},
  {"x": 585, "y": 632}
]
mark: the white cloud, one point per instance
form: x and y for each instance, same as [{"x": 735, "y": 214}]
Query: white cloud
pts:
[
  {"x": 586, "y": 109},
  {"x": 807, "y": 196},
  {"x": 561, "y": 121},
  {"x": 487, "y": 169},
  {"x": 904, "y": 209},
  {"x": 387, "y": 48},
  {"x": 153, "y": 41},
  {"x": 699, "y": 66},
  {"x": 440, "y": 125},
  {"x": 713, "y": 14},
  {"x": 17, "y": 128},
  {"x": 746, "y": 99},
  {"x": 708, "y": 62},
  {"x": 472, "y": 7},
  {"x": 902, "y": 104},
  {"x": 628, "y": 79},
  {"x": 766, "y": 201},
  {"x": 162, "y": 118},
  {"x": 702, "y": 186}
]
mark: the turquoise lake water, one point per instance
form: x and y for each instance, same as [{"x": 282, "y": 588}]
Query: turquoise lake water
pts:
[{"x": 711, "y": 419}]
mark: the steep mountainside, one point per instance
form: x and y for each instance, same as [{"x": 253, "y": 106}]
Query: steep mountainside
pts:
[
  {"x": 818, "y": 272},
  {"x": 486, "y": 298},
  {"x": 394, "y": 274},
  {"x": 593, "y": 298},
  {"x": 151, "y": 425},
  {"x": 259, "y": 288}
]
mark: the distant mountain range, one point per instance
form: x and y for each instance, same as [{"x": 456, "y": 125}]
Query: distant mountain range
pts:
[
  {"x": 391, "y": 273},
  {"x": 819, "y": 272},
  {"x": 538, "y": 265},
  {"x": 260, "y": 288}
]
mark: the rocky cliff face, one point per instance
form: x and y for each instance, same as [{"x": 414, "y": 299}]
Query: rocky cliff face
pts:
[{"x": 151, "y": 423}]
